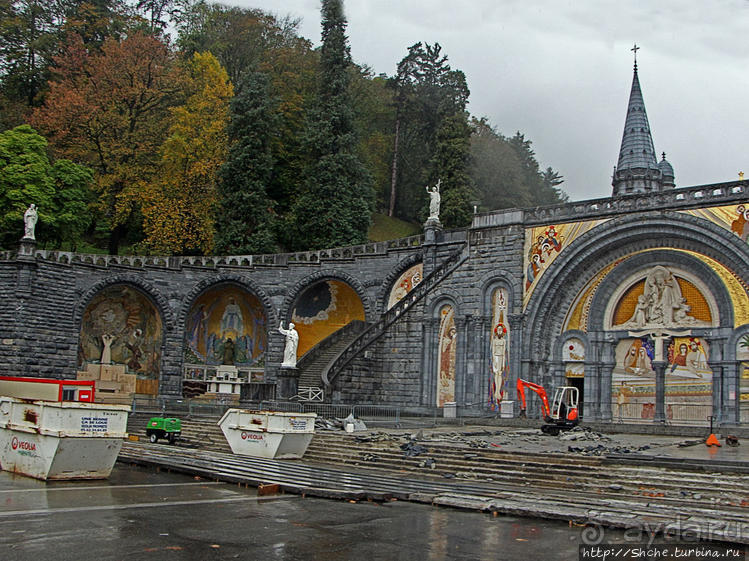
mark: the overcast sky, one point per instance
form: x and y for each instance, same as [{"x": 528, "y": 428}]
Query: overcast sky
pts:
[{"x": 560, "y": 71}]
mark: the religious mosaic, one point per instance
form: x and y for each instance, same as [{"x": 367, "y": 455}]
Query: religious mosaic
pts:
[
  {"x": 226, "y": 325},
  {"x": 731, "y": 217},
  {"x": 662, "y": 299},
  {"x": 322, "y": 309},
  {"x": 500, "y": 349},
  {"x": 448, "y": 343},
  {"x": 688, "y": 380},
  {"x": 121, "y": 327},
  {"x": 742, "y": 354},
  {"x": 405, "y": 284},
  {"x": 573, "y": 356},
  {"x": 542, "y": 246}
]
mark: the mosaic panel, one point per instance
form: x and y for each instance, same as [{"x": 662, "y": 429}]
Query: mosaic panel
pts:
[
  {"x": 226, "y": 325},
  {"x": 405, "y": 284},
  {"x": 542, "y": 246},
  {"x": 126, "y": 318},
  {"x": 448, "y": 343},
  {"x": 499, "y": 335},
  {"x": 323, "y": 309}
]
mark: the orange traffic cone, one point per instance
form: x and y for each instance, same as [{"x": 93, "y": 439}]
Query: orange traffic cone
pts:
[{"x": 712, "y": 440}]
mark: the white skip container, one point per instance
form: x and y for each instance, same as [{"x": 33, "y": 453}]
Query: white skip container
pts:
[
  {"x": 268, "y": 434},
  {"x": 60, "y": 440}
]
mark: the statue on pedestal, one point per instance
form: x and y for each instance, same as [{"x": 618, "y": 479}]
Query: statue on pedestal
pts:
[
  {"x": 434, "y": 201},
  {"x": 30, "y": 218},
  {"x": 292, "y": 342}
]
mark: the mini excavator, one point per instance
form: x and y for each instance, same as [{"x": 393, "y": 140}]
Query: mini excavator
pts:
[{"x": 563, "y": 413}]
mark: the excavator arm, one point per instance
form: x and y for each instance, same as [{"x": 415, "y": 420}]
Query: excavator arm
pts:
[{"x": 538, "y": 389}]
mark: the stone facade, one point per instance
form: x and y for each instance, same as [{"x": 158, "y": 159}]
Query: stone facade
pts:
[{"x": 593, "y": 248}]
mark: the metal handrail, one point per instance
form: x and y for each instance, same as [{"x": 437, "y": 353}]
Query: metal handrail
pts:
[{"x": 378, "y": 328}]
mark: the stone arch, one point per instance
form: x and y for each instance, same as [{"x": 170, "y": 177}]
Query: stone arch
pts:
[
  {"x": 158, "y": 299},
  {"x": 449, "y": 295},
  {"x": 383, "y": 294},
  {"x": 560, "y": 342},
  {"x": 608, "y": 242},
  {"x": 328, "y": 274},
  {"x": 323, "y": 303},
  {"x": 736, "y": 336},
  {"x": 123, "y": 326},
  {"x": 503, "y": 279},
  {"x": 239, "y": 280},
  {"x": 643, "y": 261},
  {"x": 224, "y": 319}
]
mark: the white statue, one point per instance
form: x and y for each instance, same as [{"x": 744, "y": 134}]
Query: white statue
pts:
[
  {"x": 292, "y": 342},
  {"x": 106, "y": 353},
  {"x": 499, "y": 349},
  {"x": 434, "y": 201},
  {"x": 661, "y": 304},
  {"x": 30, "y": 218}
]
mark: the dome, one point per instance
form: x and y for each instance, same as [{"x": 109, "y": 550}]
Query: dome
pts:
[{"x": 666, "y": 169}]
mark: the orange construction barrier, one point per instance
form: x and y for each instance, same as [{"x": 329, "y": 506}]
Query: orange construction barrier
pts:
[{"x": 712, "y": 440}]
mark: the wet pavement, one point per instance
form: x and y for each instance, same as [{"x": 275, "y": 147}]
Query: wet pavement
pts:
[{"x": 144, "y": 514}]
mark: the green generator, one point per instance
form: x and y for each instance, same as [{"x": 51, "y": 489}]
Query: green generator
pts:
[{"x": 169, "y": 428}]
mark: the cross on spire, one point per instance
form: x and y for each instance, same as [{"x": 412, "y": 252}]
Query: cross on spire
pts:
[{"x": 634, "y": 50}]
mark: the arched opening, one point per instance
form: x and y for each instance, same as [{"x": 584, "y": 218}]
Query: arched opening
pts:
[
  {"x": 226, "y": 337},
  {"x": 322, "y": 309},
  {"x": 120, "y": 344}
]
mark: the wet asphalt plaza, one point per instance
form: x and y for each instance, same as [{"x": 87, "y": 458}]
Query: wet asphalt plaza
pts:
[{"x": 141, "y": 513}]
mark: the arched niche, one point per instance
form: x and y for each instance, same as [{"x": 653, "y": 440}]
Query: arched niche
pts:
[
  {"x": 323, "y": 308},
  {"x": 122, "y": 329},
  {"x": 222, "y": 313},
  {"x": 405, "y": 283},
  {"x": 447, "y": 348}
]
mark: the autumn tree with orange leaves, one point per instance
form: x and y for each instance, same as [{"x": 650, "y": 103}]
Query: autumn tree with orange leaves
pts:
[{"x": 109, "y": 109}]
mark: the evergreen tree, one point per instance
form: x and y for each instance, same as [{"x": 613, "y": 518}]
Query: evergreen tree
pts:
[
  {"x": 246, "y": 223},
  {"x": 451, "y": 161},
  {"x": 427, "y": 93},
  {"x": 335, "y": 206}
]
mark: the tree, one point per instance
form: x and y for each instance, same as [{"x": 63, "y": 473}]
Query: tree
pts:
[
  {"x": 178, "y": 203},
  {"x": 427, "y": 91},
  {"x": 238, "y": 37},
  {"x": 60, "y": 190},
  {"x": 496, "y": 170},
  {"x": 28, "y": 40},
  {"x": 451, "y": 162},
  {"x": 506, "y": 173},
  {"x": 109, "y": 109},
  {"x": 248, "y": 219},
  {"x": 335, "y": 206}
]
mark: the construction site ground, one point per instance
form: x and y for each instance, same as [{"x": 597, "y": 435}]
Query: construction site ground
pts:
[{"x": 652, "y": 483}]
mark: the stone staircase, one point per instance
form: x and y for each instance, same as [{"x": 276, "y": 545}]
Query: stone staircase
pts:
[
  {"x": 317, "y": 359},
  {"x": 311, "y": 376}
]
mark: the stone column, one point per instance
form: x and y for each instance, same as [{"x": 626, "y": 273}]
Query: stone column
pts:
[
  {"x": 608, "y": 362},
  {"x": 660, "y": 390},
  {"x": 515, "y": 356},
  {"x": 592, "y": 385}
]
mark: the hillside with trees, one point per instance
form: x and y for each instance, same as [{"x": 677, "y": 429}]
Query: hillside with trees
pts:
[{"x": 192, "y": 127}]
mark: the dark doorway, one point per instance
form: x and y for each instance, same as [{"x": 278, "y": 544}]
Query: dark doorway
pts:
[{"x": 578, "y": 383}]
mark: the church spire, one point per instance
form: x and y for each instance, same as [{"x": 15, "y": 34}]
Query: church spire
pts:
[{"x": 637, "y": 169}]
